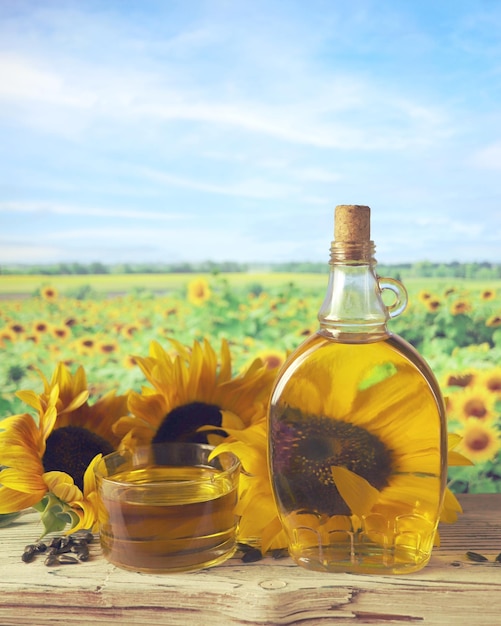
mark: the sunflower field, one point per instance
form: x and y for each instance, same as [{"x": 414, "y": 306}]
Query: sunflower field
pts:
[{"x": 457, "y": 329}]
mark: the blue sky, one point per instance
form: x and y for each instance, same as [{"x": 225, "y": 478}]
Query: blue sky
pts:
[{"x": 228, "y": 130}]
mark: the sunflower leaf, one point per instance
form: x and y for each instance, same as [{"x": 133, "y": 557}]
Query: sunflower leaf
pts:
[
  {"x": 377, "y": 374},
  {"x": 55, "y": 514}
]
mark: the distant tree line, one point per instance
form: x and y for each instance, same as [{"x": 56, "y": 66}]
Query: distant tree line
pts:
[{"x": 422, "y": 269}]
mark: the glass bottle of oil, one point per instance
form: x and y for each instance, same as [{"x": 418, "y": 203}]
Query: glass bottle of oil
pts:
[{"x": 357, "y": 444}]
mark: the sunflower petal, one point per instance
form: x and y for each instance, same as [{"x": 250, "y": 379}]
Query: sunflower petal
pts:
[
  {"x": 87, "y": 517},
  {"x": 23, "y": 480},
  {"x": 273, "y": 536},
  {"x": 450, "y": 508},
  {"x": 80, "y": 379},
  {"x": 47, "y": 423},
  {"x": 195, "y": 373},
  {"x": 456, "y": 458},
  {"x": 230, "y": 420},
  {"x": 30, "y": 398},
  {"x": 452, "y": 440},
  {"x": 225, "y": 367},
  {"x": 358, "y": 493},
  {"x": 250, "y": 457},
  {"x": 76, "y": 402},
  {"x": 89, "y": 477},
  {"x": 12, "y": 501},
  {"x": 62, "y": 486}
]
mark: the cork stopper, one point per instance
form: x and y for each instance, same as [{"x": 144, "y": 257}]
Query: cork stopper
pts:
[{"x": 352, "y": 223}]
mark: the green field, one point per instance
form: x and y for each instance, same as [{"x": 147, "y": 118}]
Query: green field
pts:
[
  {"x": 24, "y": 285},
  {"x": 158, "y": 283}
]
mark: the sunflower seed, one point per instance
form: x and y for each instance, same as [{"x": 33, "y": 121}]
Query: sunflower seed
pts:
[
  {"x": 31, "y": 547},
  {"x": 498, "y": 558},
  {"x": 65, "y": 542},
  {"x": 83, "y": 555},
  {"x": 252, "y": 555},
  {"x": 40, "y": 546},
  {"x": 80, "y": 549},
  {"x": 87, "y": 536},
  {"x": 29, "y": 554},
  {"x": 67, "y": 559},
  {"x": 78, "y": 543},
  {"x": 55, "y": 543},
  {"x": 51, "y": 560},
  {"x": 280, "y": 553},
  {"x": 475, "y": 556}
]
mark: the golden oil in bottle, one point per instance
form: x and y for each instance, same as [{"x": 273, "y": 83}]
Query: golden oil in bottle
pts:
[{"x": 357, "y": 431}]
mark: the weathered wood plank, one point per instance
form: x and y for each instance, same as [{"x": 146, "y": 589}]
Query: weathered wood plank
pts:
[{"x": 450, "y": 590}]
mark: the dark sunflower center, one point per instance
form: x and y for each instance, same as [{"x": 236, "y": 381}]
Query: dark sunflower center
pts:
[
  {"x": 70, "y": 449},
  {"x": 182, "y": 423},
  {"x": 305, "y": 449},
  {"x": 475, "y": 408}
]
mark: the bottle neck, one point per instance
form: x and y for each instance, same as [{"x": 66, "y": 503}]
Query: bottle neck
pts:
[{"x": 353, "y": 309}]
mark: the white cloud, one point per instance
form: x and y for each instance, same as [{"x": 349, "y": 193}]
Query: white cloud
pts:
[
  {"x": 145, "y": 244},
  {"x": 87, "y": 211},
  {"x": 488, "y": 158},
  {"x": 81, "y": 93},
  {"x": 28, "y": 252},
  {"x": 250, "y": 188},
  {"x": 23, "y": 80},
  {"x": 320, "y": 175}
]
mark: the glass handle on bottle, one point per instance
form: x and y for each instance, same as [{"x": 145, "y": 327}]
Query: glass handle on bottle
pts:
[{"x": 396, "y": 287}]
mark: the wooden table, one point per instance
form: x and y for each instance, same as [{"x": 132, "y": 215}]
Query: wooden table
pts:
[{"x": 451, "y": 590}]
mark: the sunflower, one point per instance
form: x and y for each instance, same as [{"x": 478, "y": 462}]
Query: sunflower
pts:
[
  {"x": 129, "y": 362},
  {"x": 491, "y": 380},
  {"x": 259, "y": 519},
  {"x": 198, "y": 291},
  {"x": 273, "y": 359},
  {"x": 473, "y": 403},
  {"x": 460, "y": 379},
  {"x": 488, "y": 294},
  {"x": 494, "y": 321},
  {"x": 480, "y": 442},
  {"x": 107, "y": 347},
  {"x": 424, "y": 296},
  {"x": 6, "y": 334},
  {"x": 85, "y": 345},
  {"x": 40, "y": 327},
  {"x": 17, "y": 328},
  {"x": 129, "y": 330},
  {"x": 173, "y": 310},
  {"x": 60, "y": 332},
  {"x": 48, "y": 460},
  {"x": 460, "y": 307},
  {"x": 49, "y": 294},
  {"x": 307, "y": 331},
  {"x": 358, "y": 446},
  {"x": 190, "y": 390},
  {"x": 432, "y": 304}
]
